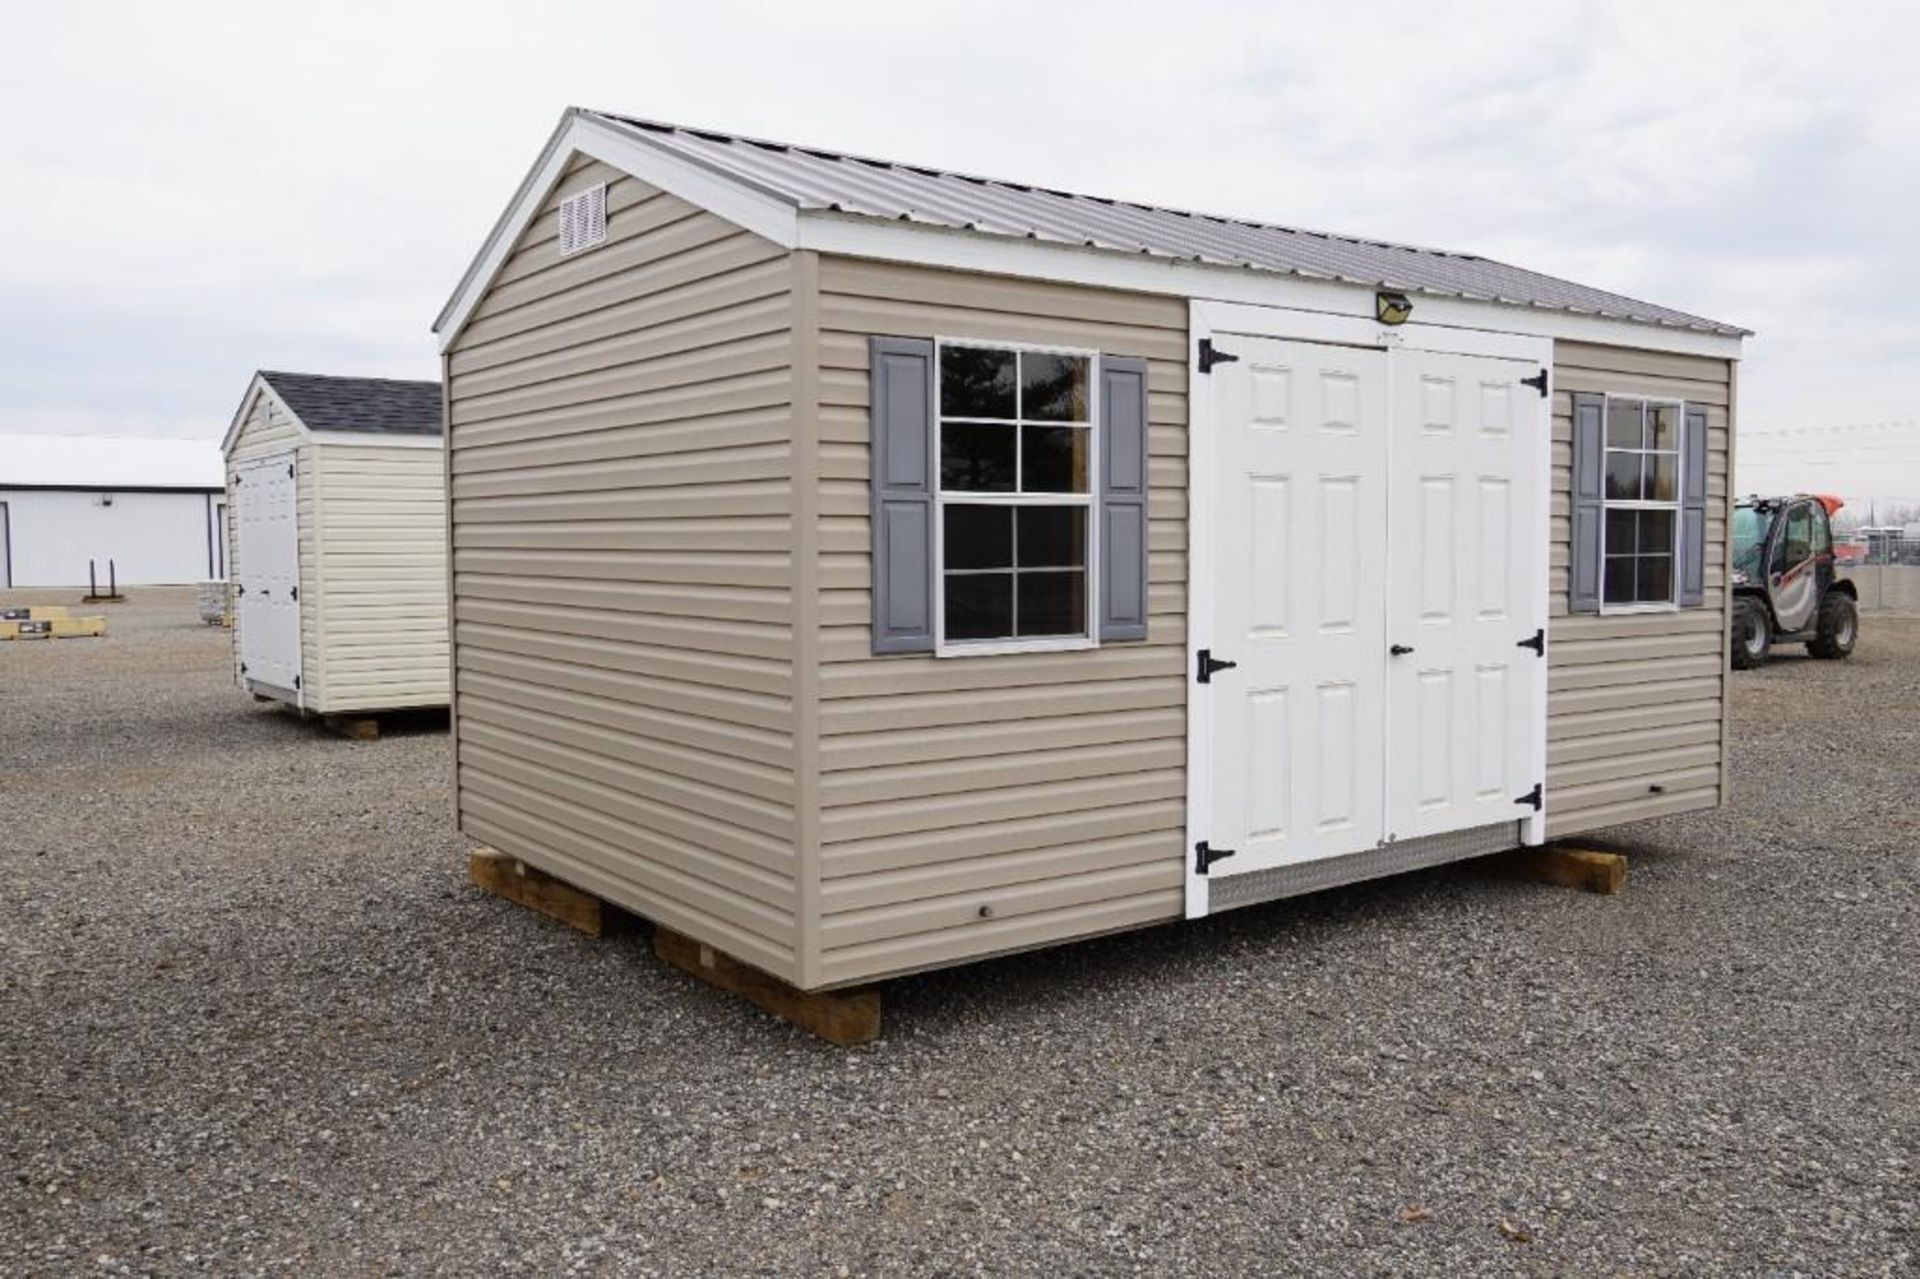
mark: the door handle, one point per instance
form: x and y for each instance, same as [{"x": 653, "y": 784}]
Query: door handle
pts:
[{"x": 1401, "y": 650}]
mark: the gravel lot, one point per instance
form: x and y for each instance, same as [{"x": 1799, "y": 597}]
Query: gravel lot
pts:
[{"x": 253, "y": 1019}]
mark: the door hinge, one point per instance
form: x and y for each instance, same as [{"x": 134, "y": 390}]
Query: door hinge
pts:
[
  {"x": 240, "y": 589},
  {"x": 295, "y": 593},
  {"x": 290, "y": 465},
  {"x": 1538, "y": 382},
  {"x": 1537, "y": 642},
  {"x": 1206, "y": 664},
  {"x": 1211, "y": 355},
  {"x": 1531, "y": 797},
  {"x": 1204, "y": 856},
  {"x": 243, "y": 668},
  {"x": 296, "y": 681}
]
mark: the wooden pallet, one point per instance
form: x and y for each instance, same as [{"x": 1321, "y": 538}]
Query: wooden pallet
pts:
[
  {"x": 843, "y": 1017},
  {"x": 52, "y": 628}
]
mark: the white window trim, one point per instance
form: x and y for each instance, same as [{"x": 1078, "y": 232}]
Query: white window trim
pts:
[
  {"x": 1676, "y": 506},
  {"x": 1089, "y": 501}
]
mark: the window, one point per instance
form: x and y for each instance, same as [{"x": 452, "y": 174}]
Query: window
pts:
[
  {"x": 1795, "y": 546},
  {"x": 1641, "y": 496},
  {"x": 1015, "y": 468}
]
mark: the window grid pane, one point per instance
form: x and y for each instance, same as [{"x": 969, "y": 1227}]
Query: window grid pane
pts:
[{"x": 1640, "y": 502}]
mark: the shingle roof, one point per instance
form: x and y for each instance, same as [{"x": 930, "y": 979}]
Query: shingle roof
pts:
[
  {"x": 810, "y": 178},
  {"x": 376, "y": 405}
]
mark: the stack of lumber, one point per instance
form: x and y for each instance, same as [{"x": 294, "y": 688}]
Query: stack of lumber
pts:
[{"x": 47, "y": 621}]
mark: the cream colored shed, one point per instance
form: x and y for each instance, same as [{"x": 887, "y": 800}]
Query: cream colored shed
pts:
[
  {"x": 861, "y": 568},
  {"x": 337, "y": 543}
]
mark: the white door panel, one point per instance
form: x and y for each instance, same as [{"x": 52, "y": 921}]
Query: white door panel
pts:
[
  {"x": 1462, "y": 547},
  {"x": 1375, "y": 559},
  {"x": 1300, "y": 483},
  {"x": 267, "y": 585}
]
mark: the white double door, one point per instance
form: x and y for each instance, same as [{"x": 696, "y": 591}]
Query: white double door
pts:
[
  {"x": 267, "y": 571},
  {"x": 1377, "y": 560}
]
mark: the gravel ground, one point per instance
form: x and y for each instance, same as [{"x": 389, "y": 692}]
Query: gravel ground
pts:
[{"x": 252, "y": 1019}]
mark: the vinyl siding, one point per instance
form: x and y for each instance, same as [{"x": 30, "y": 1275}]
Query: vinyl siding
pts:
[
  {"x": 1046, "y": 790},
  {"x": 381, "y": 579},
  {"x": 267, "y": 430},
  {"x": 1636, "y": 701},
  {"x": 622, "y": 529}
]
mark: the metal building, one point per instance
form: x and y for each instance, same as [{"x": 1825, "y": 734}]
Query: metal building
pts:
[{"x": 152, "y": 508}]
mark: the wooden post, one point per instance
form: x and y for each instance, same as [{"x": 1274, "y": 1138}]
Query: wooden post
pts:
[
  {"x": 503, "y": 876},
  {"x": 1586, "y": 868},
  {"x": 843, "y": 1017}
]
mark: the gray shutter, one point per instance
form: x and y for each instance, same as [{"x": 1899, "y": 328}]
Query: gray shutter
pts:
[
  {"x": 1589, "y": 481},
  {"x": 901, "y": 479},
  {"x": 1123, "y": 498},
  {"x": 1693, "y": 505}
]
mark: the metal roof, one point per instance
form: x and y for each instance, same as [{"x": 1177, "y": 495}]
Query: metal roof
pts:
[
  {"x": 813, "y": 179},
  {"x": 109, "y": 462},
  {"x": 380, "y": 406}
]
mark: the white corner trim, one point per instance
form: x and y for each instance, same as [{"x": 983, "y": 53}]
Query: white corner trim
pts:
[
  {"x": 939, "y": 246},
  {"x": 376, "y": 439},
  {"x": 259, "y": 386},
  {"x": 725, "y": 196}
]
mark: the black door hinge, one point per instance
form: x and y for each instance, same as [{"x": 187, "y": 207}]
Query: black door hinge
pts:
[
  {"x": 1538, "y": 382},
  {"x": 1531, "y": 797},
  {"x": 243, "y": 668},
  {"x": 1205, "y": 856},
  {"x": 1211, "y": 355},
  {"x": 1537, "y": 642},
  {"x": 290, "y": 466},
  {"x": 296, "y": 593},
  {"x": 1206, "y": 664},
  {"x": 296, "y": 681}
]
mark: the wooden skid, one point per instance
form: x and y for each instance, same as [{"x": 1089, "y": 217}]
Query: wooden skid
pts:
[
  {"x": 34, "y": 613},
  {"x": 1568, "y": 867},
  {"x": 843, "y": 1017},
  {"x": 361, "y": 728},
  {"x": 53, "y": 628},
  {"x": 521, "y": 884}
]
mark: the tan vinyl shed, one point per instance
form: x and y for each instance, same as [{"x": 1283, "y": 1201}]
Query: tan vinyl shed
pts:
[
  {"x": 861, "y": 568},
  {"x": 336, "y": 528}
]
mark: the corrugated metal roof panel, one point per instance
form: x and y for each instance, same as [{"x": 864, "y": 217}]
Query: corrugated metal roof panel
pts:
[{"x": 824, "y": 180}]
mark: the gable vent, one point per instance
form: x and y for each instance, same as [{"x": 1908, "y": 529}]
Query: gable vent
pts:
[{"x": 583, "y": 219}]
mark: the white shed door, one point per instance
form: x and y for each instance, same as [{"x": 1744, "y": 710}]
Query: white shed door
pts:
[
  {"x": 267, "y": 586},
  {"x": 1466, "y": 543},
  {"x": 1301, "y": 491},
  {"x": 1378, "y": 557}
]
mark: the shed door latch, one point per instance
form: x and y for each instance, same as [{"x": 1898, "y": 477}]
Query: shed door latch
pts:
[
  {"x": 1531, "y": 797},
  {"x": 1211, "y": 355},
  {"x": 1538, "y": 382},
  {"x": 1537, "y": 642},
  {"x": 1205, "y": 856},
  {"x": 1206, "y": 664}
]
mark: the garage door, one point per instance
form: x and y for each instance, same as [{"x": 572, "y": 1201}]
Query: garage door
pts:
[
  {"x": 267, "y": 581},
  {"x": 1376, "y": 577}
]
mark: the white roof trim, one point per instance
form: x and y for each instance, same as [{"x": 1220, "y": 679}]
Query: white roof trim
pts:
[
  {"x": 925, "y": 245},
  {"x": 745, "y": 205},
  {"x": 377, "y": 439},
  {"x": 780, "y": 221},
  {"x": 257, "y": 387}
]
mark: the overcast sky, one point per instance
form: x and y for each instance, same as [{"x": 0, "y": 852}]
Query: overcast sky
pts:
[{"x": 192, "y": 191}]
